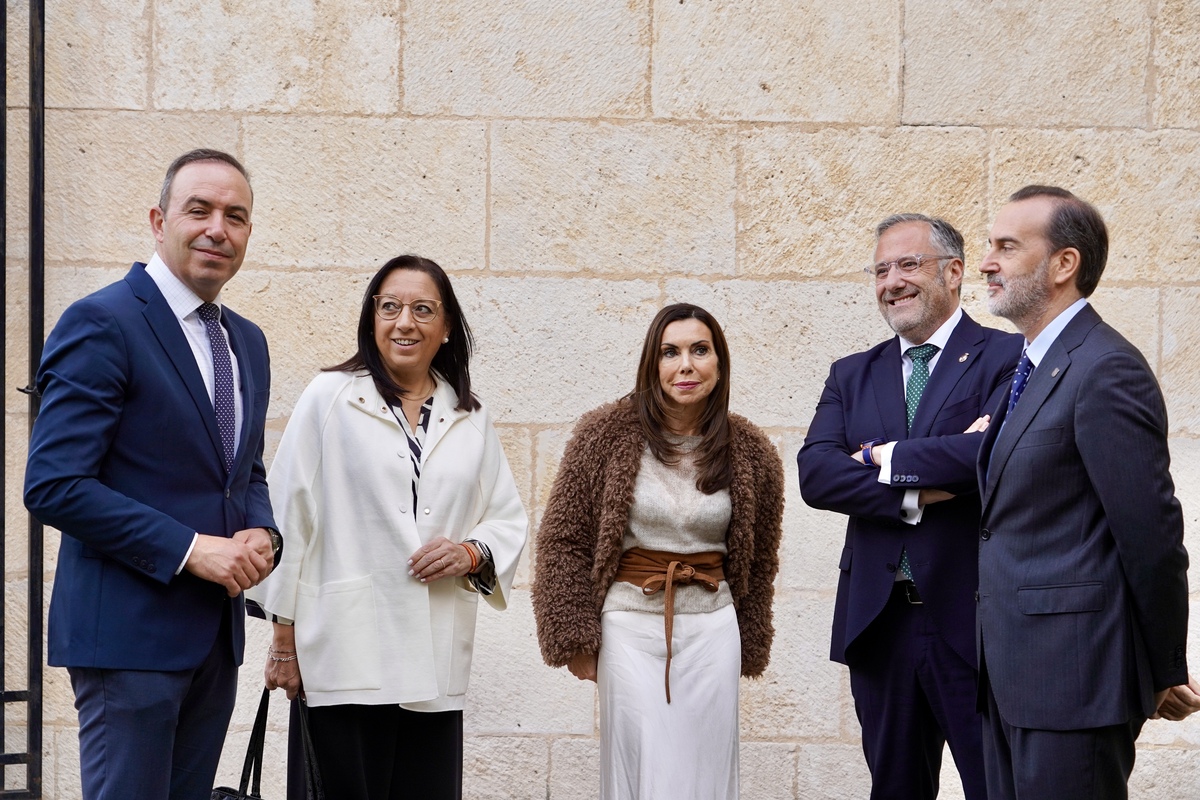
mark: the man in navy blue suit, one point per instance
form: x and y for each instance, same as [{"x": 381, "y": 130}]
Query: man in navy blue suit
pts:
[
  {"x": 147, "y": 455},
  {"x": 893, "y": 446},
  {"x": 1083, "y": 590}
]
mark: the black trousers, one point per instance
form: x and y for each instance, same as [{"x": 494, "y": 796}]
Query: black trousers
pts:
[{"x": 379, "y": 753}]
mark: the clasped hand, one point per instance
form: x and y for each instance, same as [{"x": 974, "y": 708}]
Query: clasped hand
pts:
[{"x": 237, "y": 563}]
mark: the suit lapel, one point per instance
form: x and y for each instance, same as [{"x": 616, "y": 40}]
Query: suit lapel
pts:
[
  {"x": 888, "y": 379},
  {"x": 961, "y": 351},
  {"x": 165, "y": 326},
  {"x": 1041, "y": 385}
]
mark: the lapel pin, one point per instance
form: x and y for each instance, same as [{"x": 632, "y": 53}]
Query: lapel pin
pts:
[
  {"x": 1054, "y": 372},
  {"x": 963, "y": 357}
]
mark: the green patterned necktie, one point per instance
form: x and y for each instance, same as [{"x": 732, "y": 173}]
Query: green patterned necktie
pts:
[{"x": 921, "y": 355}]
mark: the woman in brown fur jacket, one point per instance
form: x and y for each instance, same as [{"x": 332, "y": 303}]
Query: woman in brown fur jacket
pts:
[{"x": 655, "y": 562}]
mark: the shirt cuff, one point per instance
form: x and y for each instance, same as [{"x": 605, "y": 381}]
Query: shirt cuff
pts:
[
  {"x": 881, "y": 454},
  {"x": 188, "y": 554},
  {"x": 911, "y": 508},
  {"x": 483, "y": 581}
]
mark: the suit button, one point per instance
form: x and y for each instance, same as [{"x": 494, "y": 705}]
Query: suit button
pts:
[
  {"x": 976, "y": 597},
  {"x": 150, "y": 568},
  {"x": 891, "y": 567},
  {"x": 226, "y": 494},
  {"x": 985, "y": 534}
]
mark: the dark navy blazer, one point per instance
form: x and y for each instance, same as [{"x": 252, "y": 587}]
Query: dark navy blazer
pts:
[
  {"x": 125, "y": 460},
  {"x": 864, "y": 400},
  {"x": 1083, "y": 592}
]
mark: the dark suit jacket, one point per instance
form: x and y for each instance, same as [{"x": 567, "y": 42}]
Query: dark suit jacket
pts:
[
  {"x": 1083, "y": 595},
  {"x": 125, "y": 460},
  {"x": 863, "y": 400}
]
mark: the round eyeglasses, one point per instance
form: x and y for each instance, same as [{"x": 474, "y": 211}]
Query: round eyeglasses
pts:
[
  {"x": 906, "y": 264},
  {"x": 388, "y": 307}
]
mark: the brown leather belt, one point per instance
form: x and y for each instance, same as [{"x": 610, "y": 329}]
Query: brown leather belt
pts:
[{"x": 658, "y": 571}]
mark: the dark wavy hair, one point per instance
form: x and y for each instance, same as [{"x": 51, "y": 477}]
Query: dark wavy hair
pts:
[
  {"x": 714, "y": 470},
  {"x": 452, "y": 359}
]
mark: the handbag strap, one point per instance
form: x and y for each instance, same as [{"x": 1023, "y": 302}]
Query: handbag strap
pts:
[
  {"x": 313, "y": 788},
  {"x": 254, "y": 750}
]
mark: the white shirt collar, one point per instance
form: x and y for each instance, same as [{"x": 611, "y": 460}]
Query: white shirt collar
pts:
[
  {"x": 940, "y": 336},
  {"x": 1037, "y": 349},
  {"x": 182, "y": 300}
]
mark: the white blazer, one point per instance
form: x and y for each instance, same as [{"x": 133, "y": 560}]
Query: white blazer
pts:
[{"x": 341, "y": 489}]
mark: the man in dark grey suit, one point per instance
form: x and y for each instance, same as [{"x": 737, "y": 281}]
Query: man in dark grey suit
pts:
[{"x": 1083, "y": 594}]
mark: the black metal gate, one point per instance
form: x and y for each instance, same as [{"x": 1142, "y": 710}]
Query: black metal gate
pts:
[{"x": 31, "y": 696}]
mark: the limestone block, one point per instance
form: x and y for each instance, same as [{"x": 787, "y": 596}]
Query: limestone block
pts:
[
  {"x": 16, "y": 73},
  {"x": 812, "y": 539},
  {"x": 510, "y": 685},
  {"x": 60, "y": 773},
  {"x": 341, "y": 192},
  {"x": 310, "y": 319},
  {"x": 832, "y": 772},
  {"x": 777, "y": 60},
  {"x": 950, "y": 784},
  {"x": 16, "y": 519},
  {"x": 1134, "y": 312},
  {"x": 16, "y": 176},
  {"x": 1185, "y": 471},
  {"x": 782, "y": 336},
  {"x": 306, "y": 56},
  {"x": 518, "y": 444},
  {"x": 767, "y": 770},
  {"x": 505, "y": 768},
  {"x": 549, "y": 446},
  {"x": 1142, "y": 182},
  {"x": 550, "y": 349},
  {"x": 104, "y": 171},
  {"x": 808, "y": 203},
  {"x": 955, "y": 51},
  {"x": 97, "y": 54},
  {"x": 66, "y": 284},
  {"x": 529, "y": 58},
  {"x": 1178, "y": 376},
  {"x": 1176, "y": 68},
  {"x": 16, "y": 337},
  {"x": 794, "y": 696},
  {"x": 612, "y": 199},
  {"x": 574, "y": 769},
  {"x": 1165, "y": 774}
]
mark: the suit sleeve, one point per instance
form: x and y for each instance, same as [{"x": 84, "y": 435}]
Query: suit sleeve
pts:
[
  {"x": 754, "y": 609},
  {"x": 258, "y": 498},
  {"x": 949, "y": 462},
  {"x": 83, "y": 381},
  {"x": 829, "y": 478},
  {"x": 1121, "y": 434},
  {"x": 565, "y": 605}
]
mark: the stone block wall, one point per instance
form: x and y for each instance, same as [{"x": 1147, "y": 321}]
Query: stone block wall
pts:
[{"x": 576, "y": 165}]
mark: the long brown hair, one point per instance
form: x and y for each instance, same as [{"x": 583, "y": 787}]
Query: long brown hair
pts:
[{"x": 714, "y": 471}]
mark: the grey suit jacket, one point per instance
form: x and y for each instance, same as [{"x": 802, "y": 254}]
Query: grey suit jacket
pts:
[{"x": 1083, "y": 594}]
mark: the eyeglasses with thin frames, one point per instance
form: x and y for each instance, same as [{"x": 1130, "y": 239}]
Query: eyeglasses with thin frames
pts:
[
  {"x": 906, "y": 264},
  {"x": 388, "y": 307}
]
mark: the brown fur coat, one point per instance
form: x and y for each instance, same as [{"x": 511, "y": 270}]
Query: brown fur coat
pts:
[{"x": 580, "y": 536}]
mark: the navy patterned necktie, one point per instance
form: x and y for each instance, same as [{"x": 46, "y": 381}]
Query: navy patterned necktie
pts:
[
  {"x": 1020, "y": 381},
  {"x": 921, "y": 355},
  {"x": 222, "y": 381}
]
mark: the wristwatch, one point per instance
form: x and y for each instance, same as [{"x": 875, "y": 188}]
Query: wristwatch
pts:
[{"x": 276, "y": 542}]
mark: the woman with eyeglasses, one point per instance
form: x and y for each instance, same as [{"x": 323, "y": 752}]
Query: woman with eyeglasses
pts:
[
  {"x": 655, "y": 562},
  {"x": 399, "y": 512}
]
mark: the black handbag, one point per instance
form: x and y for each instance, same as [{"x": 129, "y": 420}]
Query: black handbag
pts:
[{"x": 252, "y": 768}]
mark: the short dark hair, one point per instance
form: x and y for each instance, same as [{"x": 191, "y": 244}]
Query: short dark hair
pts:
[
  {"x": 452, "y": 360},
  {"x": 714, "y": 470},
  {"x": 194, "y": 157},
  {"x": 1074, "y": 223}
]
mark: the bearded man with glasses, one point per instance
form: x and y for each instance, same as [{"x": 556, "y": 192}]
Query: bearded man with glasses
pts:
[{"x": 893, "y": 446}]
